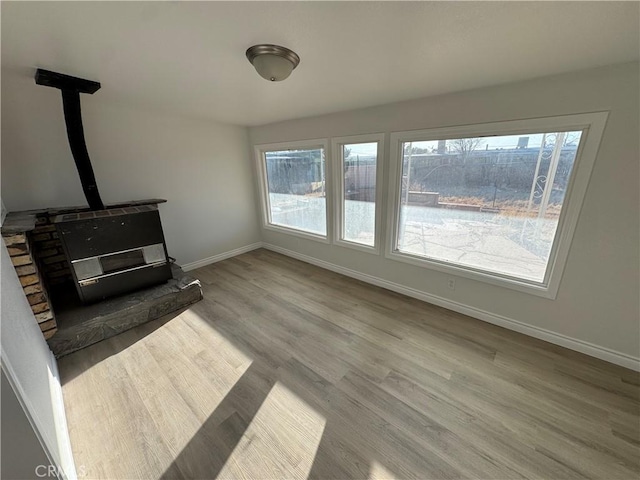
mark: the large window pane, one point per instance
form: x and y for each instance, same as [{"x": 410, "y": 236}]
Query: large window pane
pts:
[
  {"x": 359, "y": 163},
  {"x": 489, "y": 203},
  {"x": 296, "y": 187}
]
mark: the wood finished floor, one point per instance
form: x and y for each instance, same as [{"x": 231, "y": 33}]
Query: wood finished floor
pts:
[{"x": 286, "y": 370}]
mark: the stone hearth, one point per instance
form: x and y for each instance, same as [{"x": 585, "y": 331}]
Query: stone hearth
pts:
[
  {"x": 39, "y": 260},
  {"x": 82, "y": 325}
]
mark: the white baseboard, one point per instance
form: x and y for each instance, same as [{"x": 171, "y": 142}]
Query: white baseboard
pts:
[
  {"x": 221, "y": 256},
  {"x": 581, "y": 346}
]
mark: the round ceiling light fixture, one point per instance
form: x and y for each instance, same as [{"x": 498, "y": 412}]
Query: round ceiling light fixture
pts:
[{"x": 272, "y": 62}]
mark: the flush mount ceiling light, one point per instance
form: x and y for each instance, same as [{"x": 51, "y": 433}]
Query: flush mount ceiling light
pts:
[{"x": 273, "y": 62}]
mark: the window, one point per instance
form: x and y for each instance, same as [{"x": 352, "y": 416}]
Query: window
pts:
[
  {"x": 294, "y": 188},
  {"x": 497, "y": 201},
  {"x": 357, "y": 173}
]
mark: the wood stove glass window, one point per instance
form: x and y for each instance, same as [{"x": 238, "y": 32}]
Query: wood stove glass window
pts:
[{"x": 122, "y": 261}]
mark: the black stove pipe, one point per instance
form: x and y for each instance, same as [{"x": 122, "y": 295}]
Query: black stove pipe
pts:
[
  {"x": 75, "y": 134},
  {"x": 71, "y": 88}
]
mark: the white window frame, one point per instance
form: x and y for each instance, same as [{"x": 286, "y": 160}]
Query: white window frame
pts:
[
  {"x": 337, "y": 144},
  {"x": 592, "y": 126},
  {"x": 261, "y": 168}
]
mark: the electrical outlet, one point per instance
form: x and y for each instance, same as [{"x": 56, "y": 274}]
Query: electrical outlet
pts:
[{"x": 451, "y": 284}]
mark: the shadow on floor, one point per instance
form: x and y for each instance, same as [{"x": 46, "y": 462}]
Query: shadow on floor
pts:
[{"x": 209, "y": 449}]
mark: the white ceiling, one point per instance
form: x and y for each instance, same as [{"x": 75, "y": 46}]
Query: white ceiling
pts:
[{"x": 189, "y": 57}]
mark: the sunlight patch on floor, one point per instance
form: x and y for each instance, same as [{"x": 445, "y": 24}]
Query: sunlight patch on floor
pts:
[
  {"x": 219, "y": 363},
  {"x": 171, "y": 365},
  {"x": 282, "y": 439},
  {"x": 212, "y": 339},
  {"x": 378, "y": 471}
]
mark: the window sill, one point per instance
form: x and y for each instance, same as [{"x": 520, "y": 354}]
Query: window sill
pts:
[
  {"x": 297, "y": 233},
  {"x": 540, "y": 290}
]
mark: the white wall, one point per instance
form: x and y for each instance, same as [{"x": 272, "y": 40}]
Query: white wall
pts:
[
  {"x": 21, "y": 450},
  {"x": 31, "y": 370},
  {"x": 598, "y": 299},
  {"x": 200, "y": 167}
]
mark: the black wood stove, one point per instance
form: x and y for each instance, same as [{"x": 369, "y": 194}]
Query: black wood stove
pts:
[{"x": 110, "y": 250}]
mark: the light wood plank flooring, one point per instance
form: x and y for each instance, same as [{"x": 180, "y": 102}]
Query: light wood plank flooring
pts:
[{"x": 286, "y": 370}]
